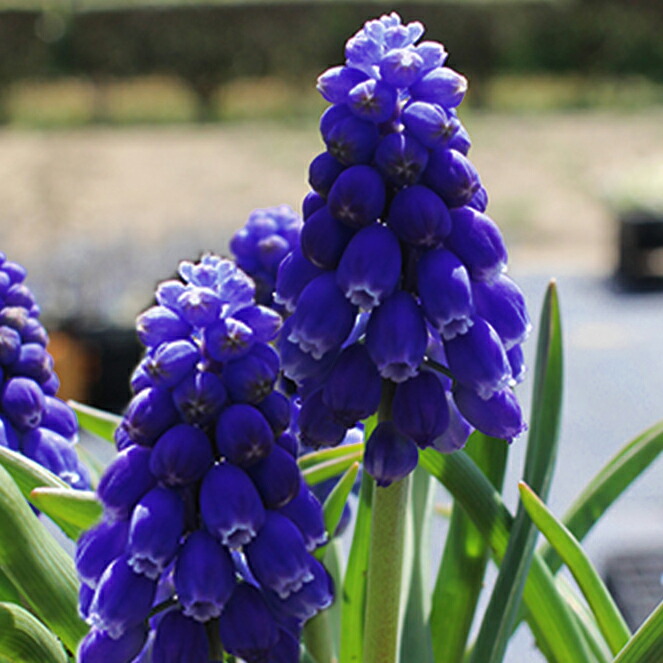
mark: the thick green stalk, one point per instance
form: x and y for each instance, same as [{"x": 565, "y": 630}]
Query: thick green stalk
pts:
[
  {"x": 385, "y": 573},
  {"x": 385, "y": 570}
]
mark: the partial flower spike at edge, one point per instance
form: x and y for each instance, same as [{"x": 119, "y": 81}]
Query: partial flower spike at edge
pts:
[{"x": 33, "y": 420}]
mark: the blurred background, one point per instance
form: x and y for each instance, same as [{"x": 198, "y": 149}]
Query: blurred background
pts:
[{"x": 135, "y": 134}]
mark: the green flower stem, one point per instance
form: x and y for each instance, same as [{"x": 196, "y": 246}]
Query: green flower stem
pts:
[
  {"x": 385, "y": 573},
  {"x": 385, "y": 570}
]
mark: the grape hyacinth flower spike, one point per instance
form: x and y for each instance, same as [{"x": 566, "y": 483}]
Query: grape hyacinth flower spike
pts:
[
  {"x": 399, "y": 267},
  {"x": 33, "y": 420},
  {"x": 208, "y": 525},
  {"x": 252, "y": 247},
  {"x": 261, "y": 244}
]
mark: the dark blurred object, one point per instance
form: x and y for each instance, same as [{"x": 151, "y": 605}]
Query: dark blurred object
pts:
[
  {"x": 208, "y": 45},
  {"x": 634, "y": 580},
  {"x": 640, "y": 262},
  {"x": 95, "y": 364}
]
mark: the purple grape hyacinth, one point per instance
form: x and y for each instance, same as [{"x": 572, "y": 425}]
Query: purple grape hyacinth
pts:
[
  {"x": 207, "y": 521},
  {"x": 399, "y": 264},
  {"x": 262, "y": 243},
  {"x": 33, "y": 421}
]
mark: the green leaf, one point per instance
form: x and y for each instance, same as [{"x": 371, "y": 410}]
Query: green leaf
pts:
[
  {"x": 24, "y": 639},
  {"x": 585, "y": 620},
  {"x": 646, "y": 646},
  {"x": 610, "y": 482},
  {"x": 37, "y": 566},
  {"x": 98, "y": 422},
  {"x": 610, "y": 621},
  {"x": 305, "y": 656},
  {"x": 318, "y": 633},
  {"x": 335, "y": 503},
  {"x": 416, "y": 636},
  {"x": 327, "y": 469},
  {"x": 549, "y": 616},
  {"x": 542, "y": 442},
  {"x": 462, "y": 568},
  {"x": 353, "y": 594},
  {"x": 8, "y": 592},
  {"x": 333, "y": 561},
  {"x": 79, "y": 508},
  {"x": 317, "y": 636},
  {"x": 29, "y": 475},
  {"x": 315, "y": 458}
]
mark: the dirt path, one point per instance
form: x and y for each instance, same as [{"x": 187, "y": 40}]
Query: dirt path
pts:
[{"x": 98, "y": 215}]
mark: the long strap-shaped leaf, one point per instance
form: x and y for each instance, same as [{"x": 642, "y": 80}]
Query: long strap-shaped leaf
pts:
[
  {"x": 318, "y": 633},
  {"x": 29, "y": 475},
  {"x": 466, "y": 553},
  {"x": 314, "y": 458},
  {"x": 79, "y": 508},
  {"x": 646, "y": 646},
  {"x": 335, "y": 503},
  {"x": 549, "y": 616},
  {"x": 8, "y": 592},
  {"x": 37, "y": 566},
  {"x": 505, "y": 600},
  {"x": 98, "y": 422},
  {"x": 585, "y": 619},
  {"x": 353, "y": 597},
  {"x": 610, "y": 482},
  {"x": 24, "y": 639},
  {"x": 416, "y": 642},
  {"x": 608, "y": 617},
  {"x": 328, "y": 468}
]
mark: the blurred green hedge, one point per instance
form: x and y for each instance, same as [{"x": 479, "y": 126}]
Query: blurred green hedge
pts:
[{"x": 206, "y": 46}]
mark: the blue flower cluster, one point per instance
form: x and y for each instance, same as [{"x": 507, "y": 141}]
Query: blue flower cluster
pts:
[
  {"x": 33, "y": 421},
  {"x": 262, "y": 243},
  {"x": 208, "y": 525},
  {"x": 399, "y": 270},
  {"x": 252, "y": 249}
]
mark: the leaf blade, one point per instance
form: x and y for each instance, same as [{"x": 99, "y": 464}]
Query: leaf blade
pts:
[
  {"x": 416, "y": 641},
  {"x": 505, "y": 600},
  {"x": 462, "y": 567},
  {"x": 646, "y": 645},
  {"x": 607, "y": 485},
  {"x": 95, "y": 421},
  {"x": 79, "y": 508},
  {"x": 331, "y": 468},
  {"x": 334, "y": 504},
  {"x": 37, "y": 566},
  {"x": 610, "y": 621},
  {"x": 548, "y": 616},
  {"x": 353, "y": 596},
  {"x": 24, "y": 639}
]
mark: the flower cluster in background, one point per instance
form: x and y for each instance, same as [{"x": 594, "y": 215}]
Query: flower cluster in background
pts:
[
  {"x": 208, "y": 525},
  {"x": 397, "y": 289},
  {"x": 262, "y": 243},
  {"x": 33, "y": 421}
]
